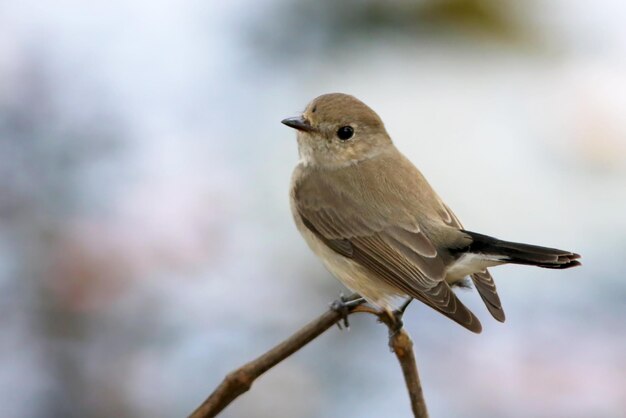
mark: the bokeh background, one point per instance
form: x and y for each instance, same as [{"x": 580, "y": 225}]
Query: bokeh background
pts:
[{"x": 146, "y": 244}]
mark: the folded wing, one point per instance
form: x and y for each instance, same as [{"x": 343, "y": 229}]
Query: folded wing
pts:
[{"x": 399, "y": 254}]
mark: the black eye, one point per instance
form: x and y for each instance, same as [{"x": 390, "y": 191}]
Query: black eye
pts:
[{"x": 345, "y": 132}]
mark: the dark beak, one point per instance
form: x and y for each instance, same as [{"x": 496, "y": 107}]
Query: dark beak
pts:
[{"x": 298, "y": 123}]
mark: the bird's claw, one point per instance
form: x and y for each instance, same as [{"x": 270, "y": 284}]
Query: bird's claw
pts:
[{"x": 344, "y": 305}]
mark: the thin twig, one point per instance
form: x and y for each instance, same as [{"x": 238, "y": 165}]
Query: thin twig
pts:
[
  {"x": 402, "y": 346},
  {"x": 240, "y": 380}
]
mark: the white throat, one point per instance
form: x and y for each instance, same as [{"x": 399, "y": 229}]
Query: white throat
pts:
[{"x": 311, "y": 157}]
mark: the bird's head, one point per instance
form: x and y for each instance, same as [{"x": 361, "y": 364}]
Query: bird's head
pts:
[{"x": 337, "y": 129}]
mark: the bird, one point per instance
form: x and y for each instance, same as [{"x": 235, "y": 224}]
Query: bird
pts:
[{"x": 379, "y": 227}]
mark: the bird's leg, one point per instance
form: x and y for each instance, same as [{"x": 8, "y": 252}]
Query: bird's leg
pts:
[
  {"x": 395, "y": 318},
  {"x": 393, "y": 321},
  {"x": 400, "y": 311},
  {"x": 343, "y": 305}
]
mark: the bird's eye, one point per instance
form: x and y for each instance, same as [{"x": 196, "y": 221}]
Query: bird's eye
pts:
[{"x": 345, "y": 132}]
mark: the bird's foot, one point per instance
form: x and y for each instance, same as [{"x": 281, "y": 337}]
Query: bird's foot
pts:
[
  {"x": 344, "y": 305},
  {"x": 393, "y": 320},
  {"x": 395, "y": 323}
]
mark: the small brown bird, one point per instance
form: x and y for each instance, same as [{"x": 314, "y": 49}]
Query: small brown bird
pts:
[{"x": 378, "y": 225}]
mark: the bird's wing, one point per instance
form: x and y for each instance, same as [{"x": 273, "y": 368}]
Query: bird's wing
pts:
[
  {"x": 401, "y": 255},
  {"x": 483, "y": 281}
]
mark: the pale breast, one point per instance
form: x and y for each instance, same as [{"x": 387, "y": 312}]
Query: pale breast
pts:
[{"x": 354, "y": 276}]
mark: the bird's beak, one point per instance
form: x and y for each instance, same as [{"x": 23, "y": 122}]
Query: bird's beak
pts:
[{"x": 298, "y": 123}]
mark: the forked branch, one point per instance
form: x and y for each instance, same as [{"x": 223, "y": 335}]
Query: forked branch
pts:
[{"x": 240, "y": 380}]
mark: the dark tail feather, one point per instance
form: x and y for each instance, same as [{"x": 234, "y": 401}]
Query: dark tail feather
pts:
[{"x": 516, "y": 253}]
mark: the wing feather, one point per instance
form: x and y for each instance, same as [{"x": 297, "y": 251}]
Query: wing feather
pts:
[
  {"x": 485, "y": 285},
  {"x": 403, "y": 257}
]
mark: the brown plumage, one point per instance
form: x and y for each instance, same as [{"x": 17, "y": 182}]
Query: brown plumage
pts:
[{"x": 377, "y": 224}]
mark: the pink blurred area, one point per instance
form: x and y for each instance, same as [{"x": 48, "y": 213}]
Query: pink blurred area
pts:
[{"x": 146, "y": 244}]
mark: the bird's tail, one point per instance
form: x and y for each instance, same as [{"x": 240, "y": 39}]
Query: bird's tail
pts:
[{"x": 516, "y": 253}]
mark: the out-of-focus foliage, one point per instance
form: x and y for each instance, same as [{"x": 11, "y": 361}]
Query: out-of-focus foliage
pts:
[{"x": 327, "y": 26}]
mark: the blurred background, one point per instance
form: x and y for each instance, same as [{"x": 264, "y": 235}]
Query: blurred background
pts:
[{"x": 146, "y": 243}]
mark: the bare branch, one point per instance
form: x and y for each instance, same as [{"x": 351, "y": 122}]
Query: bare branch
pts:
[
  {"x": 402, "y": 346},
  {"x": 240, "y": 380}
]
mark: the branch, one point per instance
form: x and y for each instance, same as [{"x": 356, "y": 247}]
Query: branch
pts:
[
  {"x": 240, "y": 380},
  {"x": 401, "y": 344}
]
